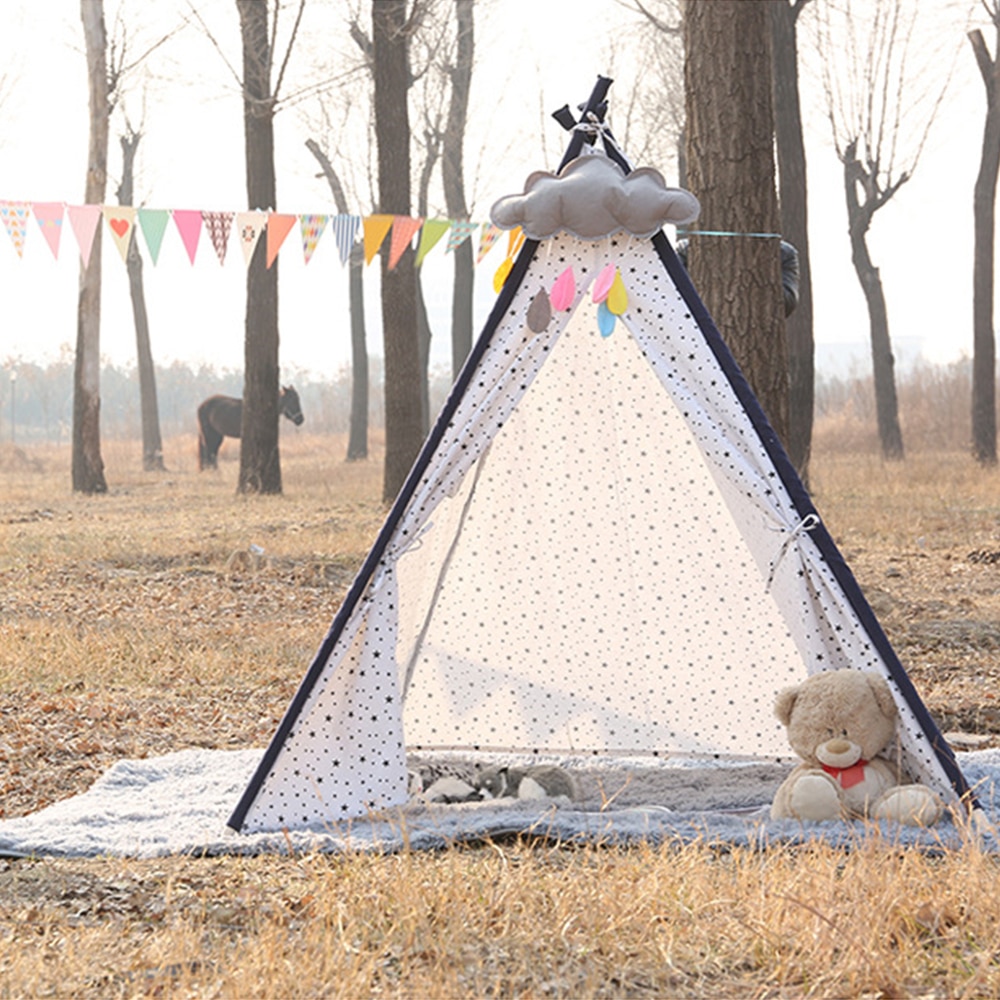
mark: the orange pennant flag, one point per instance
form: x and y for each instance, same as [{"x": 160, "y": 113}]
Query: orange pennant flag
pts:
[
  {"x": 376, "y": 229},
  {"x": 403, "y": 229},
  {"x": 278, "y": 227}
]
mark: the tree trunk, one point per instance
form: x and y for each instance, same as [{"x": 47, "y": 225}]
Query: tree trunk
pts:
[
  {"x": 730, "y": 168},
  {"x": 795, "y": 229},
  {"x": 403, "y": 436},
  {"x": 152, "y": 443},
  {"x": 87, "y": 465},
  {"x": 984, "y": 420},
  {"x": 357, "y": 440},
  {"x": 260, "y": 461},
  {"x": 453, "y": 180}
]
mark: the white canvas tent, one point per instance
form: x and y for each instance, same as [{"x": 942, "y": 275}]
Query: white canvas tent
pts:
[{"x": 601, "y": 549}]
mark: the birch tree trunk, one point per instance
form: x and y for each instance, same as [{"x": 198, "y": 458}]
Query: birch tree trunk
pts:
[{"x": 87, "y": 465}]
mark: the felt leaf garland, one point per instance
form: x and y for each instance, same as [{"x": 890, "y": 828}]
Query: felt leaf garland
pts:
[
  {"x": 605, "y": 320},
  {"x": 539, "y": 312},
  {"x": 500, "y": 276},
  {"x": 563, "y": 290},
  {"x": 603, "y": 283},
  {"x": 617, "y": 299}
]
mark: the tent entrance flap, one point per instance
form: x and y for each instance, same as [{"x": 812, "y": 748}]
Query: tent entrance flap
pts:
[{"x": 600, "y": 596}]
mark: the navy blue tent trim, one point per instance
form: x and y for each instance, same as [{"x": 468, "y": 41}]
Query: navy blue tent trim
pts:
[{"x": 409, "y": 488}]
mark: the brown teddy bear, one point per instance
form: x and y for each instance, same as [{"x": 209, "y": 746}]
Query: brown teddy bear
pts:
[{"x": 838, "y": 722}]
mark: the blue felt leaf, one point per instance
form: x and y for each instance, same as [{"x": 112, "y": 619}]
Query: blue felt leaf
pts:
[{"x": 605, "y": 320}]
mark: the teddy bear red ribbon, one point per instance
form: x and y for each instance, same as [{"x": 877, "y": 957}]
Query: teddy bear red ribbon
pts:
[{"x": 847, "y": 777}]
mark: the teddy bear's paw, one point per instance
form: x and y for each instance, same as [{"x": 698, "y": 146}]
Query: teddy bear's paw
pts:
[
  {"x": 914, "y": 805},
  {"x": 814, "y": 796}
]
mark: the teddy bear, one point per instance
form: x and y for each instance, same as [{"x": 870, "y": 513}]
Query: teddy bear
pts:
[{"x": 838, "y": 722}]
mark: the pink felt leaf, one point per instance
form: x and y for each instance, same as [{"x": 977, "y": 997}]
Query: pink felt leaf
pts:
[
  {"x": 603, "y": 283},
  {"x": 563, "y": 290}
]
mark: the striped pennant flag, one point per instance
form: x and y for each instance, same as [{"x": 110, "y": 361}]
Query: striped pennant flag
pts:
[{"x": 345, "y": 232}]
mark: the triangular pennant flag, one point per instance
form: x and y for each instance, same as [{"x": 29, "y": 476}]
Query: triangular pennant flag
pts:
[
  {"x": 490, "y": 234},
  {"x": 460, "y": 232},
  {"x": 432, "y": 232},
  {"x": 83, "y": 219},
  {"x": 121, "y": 222},
  {"x": 376, "y": 228},
  {"x": 49, "y": 216},
  {"x": 278, "y": 227},
  {"x": 188, "y": 223},
  {"x": 345, "y": 231},
  {"x": 219, "y": 225},
  {"x": 153, "y": 223},
  {"x": 312, "y": 226},
  {"x": 249, "y": 226},
  {"x": 15, "y": 220},
  {"x": 403, "y": 229}
]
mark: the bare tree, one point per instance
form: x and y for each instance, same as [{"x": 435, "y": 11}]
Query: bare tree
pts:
[
  {"x": 792, "y": 190},
  {"x": 392, "y": 26},
  {"x": 260, "y": 461},
  {"x": 87, "y": 466},
  {"x": 729, "y": 141},
  {"x": 984, "y": 419},
  {"x": 357, "y": 440},
  {"x": 152, "y": 443},
  {"x": 880, "y": 108}
]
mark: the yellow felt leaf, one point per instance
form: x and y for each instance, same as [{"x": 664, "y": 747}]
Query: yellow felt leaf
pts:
[{"x": 617, "y": 297}]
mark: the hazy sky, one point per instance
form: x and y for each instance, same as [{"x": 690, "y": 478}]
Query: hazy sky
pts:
[{"x": 531, "y": 59}]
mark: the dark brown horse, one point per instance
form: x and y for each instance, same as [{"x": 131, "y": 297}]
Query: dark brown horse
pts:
[{"x": 221, "y": 416}]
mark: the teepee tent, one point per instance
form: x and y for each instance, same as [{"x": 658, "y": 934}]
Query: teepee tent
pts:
[{"x": 602, "y": 547}]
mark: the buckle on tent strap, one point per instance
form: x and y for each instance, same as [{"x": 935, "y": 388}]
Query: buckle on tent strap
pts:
[{"x": 806, "y": 524}]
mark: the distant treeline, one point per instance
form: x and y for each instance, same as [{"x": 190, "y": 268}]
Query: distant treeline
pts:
[{"x": 38, "y": 405}]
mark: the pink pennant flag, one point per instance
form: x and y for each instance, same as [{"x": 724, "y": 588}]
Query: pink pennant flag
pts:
[
  {"x": 249, "y": 226},
  {"x": 312, "y": 226},
  {"x": 218, "y": 225},
  {"x": 403, "y": 229},
  {"x": 121, "y": 222},
  {"x": 278, "y": 227},
  {"x": 188, "y": 223},
  {"x": 49, "y": 216},
  {"x": 15, "y": 220},
  {"x": 83, "y": 220},
  {"x": 489, "y": 237}
]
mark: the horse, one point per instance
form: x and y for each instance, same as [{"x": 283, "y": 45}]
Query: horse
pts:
[{"x": 220, "y": 417}]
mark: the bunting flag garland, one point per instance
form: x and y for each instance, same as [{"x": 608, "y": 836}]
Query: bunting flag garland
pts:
[
  {"x": 312, "y": 226},
  {"x": 345, "y": 232},
  {"x": 218, "y": 225},
  {"x": 431, "y": 233},
  {"x": 83, "y": 220},
  {"x": 403, "y": 229},
  {"x": 460, "y": 232},
  {"x": 188, "y": 223},
  {"x": 15, "y": 220},
  {"x": 153, "y": 223},
  {"x": 376, "y": 229},
  {"x": 249, "y": 226},
  {"x": 490, "y": 234},
  {"x": 49, "y": 216},
  {"x": 278, "y": 227},
  {"x": 121, "y": 221}
]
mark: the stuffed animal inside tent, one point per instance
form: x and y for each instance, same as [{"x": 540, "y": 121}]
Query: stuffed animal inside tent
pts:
[{"x": 839, "y": 722}]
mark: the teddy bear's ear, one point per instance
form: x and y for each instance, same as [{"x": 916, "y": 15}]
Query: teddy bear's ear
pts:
[
  {"x": 784, "y": 704},
  {"x": 883, "y": 695}
]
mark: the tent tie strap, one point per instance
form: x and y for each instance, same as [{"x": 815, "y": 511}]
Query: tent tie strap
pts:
[{"x": 807, "y": 523}]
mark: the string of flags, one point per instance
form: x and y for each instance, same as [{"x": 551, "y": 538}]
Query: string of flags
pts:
[
  {"x": 123, "y": 221},
  {"x": 402, "y": 231}
]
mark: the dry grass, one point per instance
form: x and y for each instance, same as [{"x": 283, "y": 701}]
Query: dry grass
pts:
[{"x": 142, "y": 622}]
